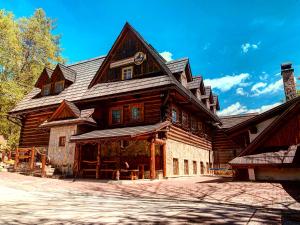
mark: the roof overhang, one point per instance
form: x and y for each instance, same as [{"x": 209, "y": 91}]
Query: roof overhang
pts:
[{"x": 124, "y": 133}]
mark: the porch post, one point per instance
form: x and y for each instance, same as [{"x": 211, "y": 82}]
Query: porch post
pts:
[
  {"x": 98, "y": 161},
  {"x": 164, "y": 155},
  {"x": 76, "y": 161},
  {"x": 16, "y": 159},
  {"x": 152, "y": 159},
  {"x": 31, "y": 165}
]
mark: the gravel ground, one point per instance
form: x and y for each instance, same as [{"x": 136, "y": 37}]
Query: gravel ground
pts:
[{"x": 197, "y": 200}]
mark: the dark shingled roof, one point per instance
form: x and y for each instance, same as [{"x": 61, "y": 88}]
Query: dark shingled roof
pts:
[
  {"x": 120, "y": 133},
  {"x": 269, "y": 158},
  {"x": 85, "y": 72},
  {"x": 195, "y": 83},
  {"x": 178, "y": 65},
  {"x": 230, "y": 121},
  {"x": 67, "y": 72},
  {"x": 79, "y": 120}
]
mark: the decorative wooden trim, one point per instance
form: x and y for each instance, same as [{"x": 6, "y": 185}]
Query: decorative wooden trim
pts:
[{"x": 98, "y": 161}]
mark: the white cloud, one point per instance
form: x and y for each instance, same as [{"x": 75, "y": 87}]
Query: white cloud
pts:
[
  {"x": 233, "y": 109},
  {"x": 264, "y": 88},
  {"x": 257, "y": 86},
  {"x": 227, "y": 82},
  {"x": 167, "y": 55},
  {"x": 247, "y": 46},
  {"x": 264, "y": 108},
  {"x": 240, "y": 91},
  {"x": 238, "y": 108},
  {"x": 264, "y": 76}
]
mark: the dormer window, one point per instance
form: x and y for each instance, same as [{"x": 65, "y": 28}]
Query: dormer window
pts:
[
  {"x": 59, "y": 86},
  {"x": 46, "y": 90},
  {"x": 127, "y": 73}
]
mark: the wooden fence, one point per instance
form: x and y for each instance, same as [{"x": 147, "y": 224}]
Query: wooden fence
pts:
[{"x": 28, "y": 155}]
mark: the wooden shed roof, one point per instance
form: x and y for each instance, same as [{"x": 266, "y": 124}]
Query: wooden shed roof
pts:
[
  {"x": 230, "y": 121},
  {"x": 269, "y": 158},
  {"x": 120, "y": 133}
]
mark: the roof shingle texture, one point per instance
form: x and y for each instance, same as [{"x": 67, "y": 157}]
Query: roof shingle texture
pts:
[
  {"x": 85, "y": 71},
  {"x": 195, "y": 83},
  {"x": 230, "y": 121},
  {"x": 268, "y": 158},
  {"x": 125, "y": 132},
  {"x": 178, "y": 65}
]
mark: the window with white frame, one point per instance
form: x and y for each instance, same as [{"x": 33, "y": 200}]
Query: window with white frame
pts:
[{"x": 127, "y": 73}]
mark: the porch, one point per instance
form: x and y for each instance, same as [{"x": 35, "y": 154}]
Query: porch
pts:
[{"x": 121, "y": 153}]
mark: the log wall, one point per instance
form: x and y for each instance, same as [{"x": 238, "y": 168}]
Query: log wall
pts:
[{"x": 31, "y": 134}]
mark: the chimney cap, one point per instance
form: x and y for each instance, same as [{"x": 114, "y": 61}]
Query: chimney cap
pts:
[{"x": 286, "y": 66}]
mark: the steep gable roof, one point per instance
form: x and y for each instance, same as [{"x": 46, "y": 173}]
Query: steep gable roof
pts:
[
  {"x": 196, "y": 83},
  {"x": 275, "y": 125},
  {"x": 68, "y": 108},
  {"x": 128, "y": 28},
  {"x": 178, "y": 65},
  {"x": 67, "y": 72},
  {"x": 263, "y": 116},
  {"x": 44, "y": 77},
  {"x": 231, "y": 121}
]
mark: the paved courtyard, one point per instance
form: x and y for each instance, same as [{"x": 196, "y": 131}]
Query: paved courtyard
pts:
[{"x": 198, "y": 200}]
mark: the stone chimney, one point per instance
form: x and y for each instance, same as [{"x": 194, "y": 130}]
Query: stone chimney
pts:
[{"x": 287, "y": 73}]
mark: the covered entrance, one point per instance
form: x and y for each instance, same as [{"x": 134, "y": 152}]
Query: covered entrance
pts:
[{"x": 122, "y": 153}]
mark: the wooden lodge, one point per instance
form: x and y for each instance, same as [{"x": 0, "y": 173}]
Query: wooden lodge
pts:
[{"x": 131, "y": 114}]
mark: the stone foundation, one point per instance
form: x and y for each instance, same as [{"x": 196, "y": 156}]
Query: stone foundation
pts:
[
  {"x": 62, "y": 157},
  {"x": 183, "y": 152}
]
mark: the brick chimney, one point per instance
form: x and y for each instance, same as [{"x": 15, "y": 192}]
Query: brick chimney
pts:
[{"x": 287, "y": 73}]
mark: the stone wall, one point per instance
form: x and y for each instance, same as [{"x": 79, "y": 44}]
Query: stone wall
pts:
[
  {"x": 183, "y": 152},
  {"x": 62, "y": 157}
]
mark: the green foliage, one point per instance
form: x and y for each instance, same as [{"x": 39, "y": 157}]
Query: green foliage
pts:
[{"x": 27, "y": 45}]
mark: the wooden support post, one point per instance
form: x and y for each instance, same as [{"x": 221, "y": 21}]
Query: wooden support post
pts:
[
  {"x": 79, "y": 159},
  {"x": 3, "y": 156},
  {"x": 152, "y": 159},
  {"x": 164, "y": 156},
  {"x": 98, "y": 161},
  {"x": 16, "y": 159},
  {"x": 76, "y": 161},
  {"x": 32, "y": 159},
  {"x": 43, "y": 158},
  {"x": 9, "y": 156}
]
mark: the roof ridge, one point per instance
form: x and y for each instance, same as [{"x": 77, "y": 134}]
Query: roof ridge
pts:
[
  {"x": 239, "y": 115},
  {"x": 86, "y": 61},
  {"x": 177, "y": 60},
  {"x": 64, "y": 66}
]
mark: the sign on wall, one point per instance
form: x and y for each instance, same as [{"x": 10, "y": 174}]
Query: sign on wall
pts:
[{"x": 137, "y": 59}]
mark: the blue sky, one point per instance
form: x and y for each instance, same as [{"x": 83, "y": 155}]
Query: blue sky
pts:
[{"x": 237, "y": 46}]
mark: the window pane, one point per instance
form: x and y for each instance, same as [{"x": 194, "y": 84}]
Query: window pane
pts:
[
  {"x": 116, "y": 116},
  {"x": 127, "y": 73},
  {"x": 46, "y": 89},
  {"x": 136, "y": 113},
  {"x": 174, "y": 116},
  {"x": 59, "y": 86}
]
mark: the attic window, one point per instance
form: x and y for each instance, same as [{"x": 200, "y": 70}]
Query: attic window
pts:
[
  {"x": 46, "y": 89},
  {"x": 59, "y": 86},
  {"x": 127, "y": 73}
]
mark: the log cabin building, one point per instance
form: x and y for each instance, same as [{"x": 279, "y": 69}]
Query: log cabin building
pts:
[{"x": 132, "y": 114}]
